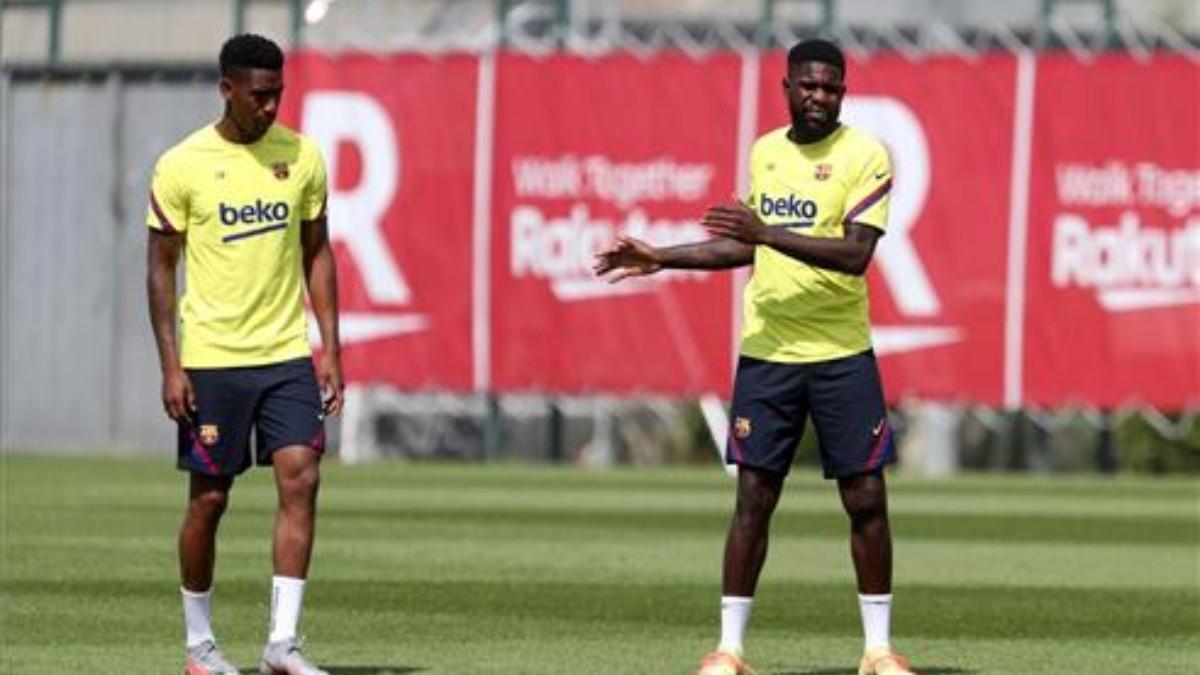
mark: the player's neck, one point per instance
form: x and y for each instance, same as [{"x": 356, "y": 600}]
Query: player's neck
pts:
[
  {"x": 228, "y": 129},
  {"x": 802, "y": 136}
]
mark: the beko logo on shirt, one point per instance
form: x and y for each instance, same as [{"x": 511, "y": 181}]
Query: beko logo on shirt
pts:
[
  {"x": 787, "y": 207},
  {"x": 258, "y": 212}
]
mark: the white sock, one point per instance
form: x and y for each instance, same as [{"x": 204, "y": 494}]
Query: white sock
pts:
[
  {"x": 197, "y": 613},
  {"x": 735, "y": 614},
  {"x": 287, "y": 596},
  {"x": 876, "y": 613}
]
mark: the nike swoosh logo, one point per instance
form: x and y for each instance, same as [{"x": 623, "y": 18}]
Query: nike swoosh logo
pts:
[
  {"x": 359, "y": 327},
  {"x": 878, "y": 428},
  {"x": 880, "y": 176},
  {"x": 900, "y": 339}
]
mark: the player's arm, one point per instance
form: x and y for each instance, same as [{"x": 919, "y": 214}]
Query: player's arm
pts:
[
  {"x": 630, "y": 257},
  {"x": 320, "y": 274},
  {"x": 162, "y": 258},
  {"x": 850, "y": 255}
]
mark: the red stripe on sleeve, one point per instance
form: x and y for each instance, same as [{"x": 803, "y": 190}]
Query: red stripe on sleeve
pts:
[
  {"x": 162, "y": 217},
  {"x": 868, "y": 201}
]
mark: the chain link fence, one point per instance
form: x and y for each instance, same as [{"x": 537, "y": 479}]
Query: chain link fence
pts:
[{"x": 173, "y": 31}]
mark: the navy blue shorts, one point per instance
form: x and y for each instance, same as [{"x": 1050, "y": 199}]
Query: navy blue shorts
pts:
[
  {"x": 844, "y": 397},
  {"x": 281, "y": 401}
]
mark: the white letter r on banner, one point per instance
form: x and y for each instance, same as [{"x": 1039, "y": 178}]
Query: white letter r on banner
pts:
[
  {"x": 356, "y": 215},
  {"x": 899, "y": 129}
]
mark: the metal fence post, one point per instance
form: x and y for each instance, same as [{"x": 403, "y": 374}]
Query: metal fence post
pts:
[
  {"x": 562, "y": 20},
  {"x": 54, "y": 48},
  {"x": 297, "y": 16},
  {"x": 767, "y": 19},
  {"x": 1108, "y": 9},
  {"x": 239, "y": 17},
  {"x": 295, "y": 20},
  {"x": 493, "y": 428},
  {"x": 554, "y": 430},
  {"x": 502, "y": 7}
]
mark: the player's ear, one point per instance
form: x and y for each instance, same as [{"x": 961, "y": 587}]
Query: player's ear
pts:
[{"x": 225, "y": 86}]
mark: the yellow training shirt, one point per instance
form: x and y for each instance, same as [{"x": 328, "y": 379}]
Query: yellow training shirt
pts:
[
  {"x": 794, "y": 312},
  {"x": 240, "y": 208}
]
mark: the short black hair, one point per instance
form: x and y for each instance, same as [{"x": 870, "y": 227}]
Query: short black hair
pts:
[
  {"x": 820, "y": 51},
  {"x": 250, "y": 51}
]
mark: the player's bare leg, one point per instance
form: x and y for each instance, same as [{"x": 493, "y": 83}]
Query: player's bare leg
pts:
[
  {"x": 297, "y": 479},
  {"x": 745, "y": 552},
  {"x": 865, "y": 499},
  {"x": 746, "y": 544},
  {"x": 208, "y": 498}
]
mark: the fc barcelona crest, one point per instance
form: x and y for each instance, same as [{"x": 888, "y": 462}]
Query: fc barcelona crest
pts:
[
  {"x": 823, "y": 171},
  {"x": 209, "y": 434},
  {"x": 280, "y": 169},
  {"x": 741, "y": 427}
]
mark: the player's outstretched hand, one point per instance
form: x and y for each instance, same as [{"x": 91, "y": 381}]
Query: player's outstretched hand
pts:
[
  {"x": 333, "y": 388},
  {"x": 627, "y": 257},
  {"x": 178, "y": 397},
  {"x": 734, "y": 221}
]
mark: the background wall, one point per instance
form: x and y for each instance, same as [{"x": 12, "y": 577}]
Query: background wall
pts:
[{"x": 78, "y": 356}]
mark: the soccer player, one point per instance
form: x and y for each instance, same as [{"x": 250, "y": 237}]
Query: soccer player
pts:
[
  {"x": 817, "y": 206},
  {"x": 242, "y": 200}
]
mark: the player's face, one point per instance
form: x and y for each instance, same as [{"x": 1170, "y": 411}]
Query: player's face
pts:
[
  {"x": 814, "y": 94},
  {"x": 252, "y": 100}
]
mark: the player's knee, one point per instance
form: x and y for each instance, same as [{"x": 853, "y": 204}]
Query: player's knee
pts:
[
  {"x": 755, "y": 504},
  {"x": 866, "y": 505},
  {"x": 301, "y": 485},
  {"x": 209, "y": 505}
]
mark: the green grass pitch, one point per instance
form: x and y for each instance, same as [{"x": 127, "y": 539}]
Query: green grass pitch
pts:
[{"x": 459, "y": 570}]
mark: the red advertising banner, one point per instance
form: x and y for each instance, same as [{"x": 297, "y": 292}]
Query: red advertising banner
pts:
[
  {"x": 937, "y": 280},
  {"x": 586, "y": 150},
  {"x": 1113, "y": 313},
  {"x": 398, "y": 135},
  {"x": 1104, "y": 310}
]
